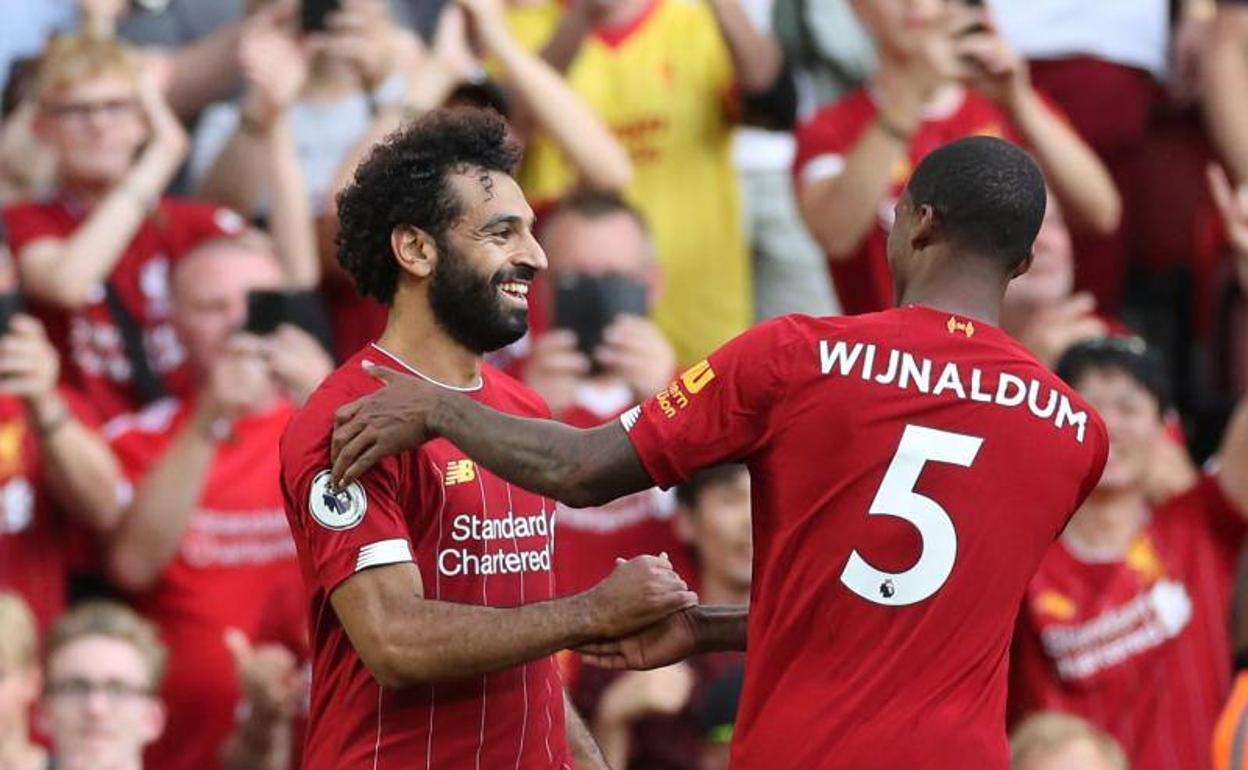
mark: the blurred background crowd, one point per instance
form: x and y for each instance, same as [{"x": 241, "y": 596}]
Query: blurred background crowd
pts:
[{"x": 169, "y": 294}]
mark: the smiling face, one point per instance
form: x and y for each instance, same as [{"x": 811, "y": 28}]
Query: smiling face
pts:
[
  {"x": 1134, "y": 423},
  {"x": 486, "y": 262},
  {"x": 96, "y": 127}
]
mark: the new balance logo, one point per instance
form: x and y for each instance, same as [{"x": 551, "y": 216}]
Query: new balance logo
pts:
[
  {"x": 966, "y": 327},
  {"x": 460, "y": 471}
]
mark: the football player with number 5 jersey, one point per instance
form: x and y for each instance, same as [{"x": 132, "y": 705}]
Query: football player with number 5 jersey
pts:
[{"x": 909, "y": 470}]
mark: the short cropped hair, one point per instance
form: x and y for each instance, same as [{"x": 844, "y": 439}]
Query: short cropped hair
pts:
[
  {"x": 406, "y": 181},
  {"x": 987, "y": 194},
  {"x": 689, "y": 493},
  {"x": 1049, "y": 731},
  {"x": 19, "y": 638},
  {"x": 70, "y": 59},
  {"x": 1128, "y": 355},
  {"x": 112, "y": 620},
  {"x": 595, "y": 204}
]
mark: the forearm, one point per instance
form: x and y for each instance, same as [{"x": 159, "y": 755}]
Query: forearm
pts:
[
  {"x": 1233, "y": 457},
  {"x": 840, "y": 211},
  {"x": 290, "y": 220},
  {"x": 236, "y": 178},
  {"x": 721, "y": 628},
  {"x": 1077, "y": 176},
  {"x": 579, "y": 467},
  {"x": 756, "y": 57},
  {"x": 566, "y": 43},
  {"x": 82, "y": 471},
  {"x": 552, "y": 105},
  {"x": 259, "y": 742},
  {"x": 585, "y": 751},
  {"x": 1225, "y": 108},
  {"x": 204, "y": 71},
  {"x": 153, "y": 525}
]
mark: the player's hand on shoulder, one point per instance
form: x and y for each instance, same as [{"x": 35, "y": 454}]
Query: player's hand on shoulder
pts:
[
  {"x": 386, "y": 422},
  {"x": 639, "y": 694},
  {"x": 637, "y": 593}
]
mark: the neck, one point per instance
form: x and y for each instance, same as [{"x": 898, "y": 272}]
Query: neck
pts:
[
  {"x": 966, "y": 292},
  {"x": 621, "y": 14},
  {"x": 412, "y": 335},
  {"x": 714, "y": 590},
  {"x": 1108, "y": 522},
  {"x": 331, "y": 80}
]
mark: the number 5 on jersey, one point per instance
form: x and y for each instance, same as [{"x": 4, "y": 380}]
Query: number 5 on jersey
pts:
[{"x": 896, "y": 497}]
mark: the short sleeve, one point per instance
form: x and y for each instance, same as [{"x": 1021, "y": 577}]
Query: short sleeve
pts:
[
  {"x": 721, "y": 409},
  {"x": 196, "y": 222},
  {"x": 343, "y": 531},
  {"x": 825, "y": 139},
  {"x": 25, "y": 223}
]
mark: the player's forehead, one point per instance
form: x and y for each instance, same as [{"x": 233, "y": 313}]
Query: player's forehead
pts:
[{"x": 489, "y": 196}]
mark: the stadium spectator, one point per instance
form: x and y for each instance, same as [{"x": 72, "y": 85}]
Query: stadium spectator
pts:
[
  {"x": 21, "y": 681},
  {"x": 95, "y": 259},
  {"x": 830, "y": 52},
  {"x": 204, "y": 539},
  {"x": 653, "y": 720},
  {"x": 663, "y": 74},
  {"x": 790, "y": 273},
  {"x": 718, "y": 717},
  {"x": 1084, "y": 56},
  {"x": 273, "y": 679},
  {"x": 56, "y": 474},
  {"x": 1227, "y": 66},
  {"x": 1125, "y": 622},
  {"x": 1056, "y": 741},
  {"x": 104, "y": 665},
  {"x": 603, "y": 270},
  {"x": 944, "y": 73}
]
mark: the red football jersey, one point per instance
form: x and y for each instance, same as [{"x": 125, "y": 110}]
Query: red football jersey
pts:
[
  {"x": 1139, "y": 646},
  {"x": 863, "y": 281},
  {"x": 476, "y": 540},
  {"x": 34, "y": 535},
  {"x": 236, "y": 549},
  {"x": 93, "y": 356},
  {"x": 591, "y": 539},
  {"x": 909, "y": 469}
]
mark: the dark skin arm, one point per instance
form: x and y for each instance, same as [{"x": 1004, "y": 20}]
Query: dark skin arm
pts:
[
  {"x": 405, "y": 639},
  {"x": 693, "y": 631},
  {"x": 579, "y": 467}
]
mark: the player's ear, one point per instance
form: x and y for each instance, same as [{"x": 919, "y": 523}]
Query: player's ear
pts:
[
  {"x": 923, "y": 232},
  {"x": 415, "y": 250},
  {"x": 1023, "y": 266}
]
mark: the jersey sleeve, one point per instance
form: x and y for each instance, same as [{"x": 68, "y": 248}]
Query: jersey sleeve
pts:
[
  {"x": 343, "y": 531},
  {"x": 825, "y": 139},
  {"x": 721, "y": 409}
]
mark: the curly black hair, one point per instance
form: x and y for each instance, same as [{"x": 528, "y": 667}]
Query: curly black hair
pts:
[{"x": 406, "y": 181}]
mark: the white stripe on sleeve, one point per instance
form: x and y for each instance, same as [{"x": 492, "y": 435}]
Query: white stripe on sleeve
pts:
[{"x": 383, "y": 552}]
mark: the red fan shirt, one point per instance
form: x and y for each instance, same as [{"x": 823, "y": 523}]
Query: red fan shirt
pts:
[
  {"x": 35, "y": 536},
  {"x": 863, "y": 281},
  {"x": 235, "y": 551},
  {"x": 1138, "y": 646},
  {"x": 88, "y": 339},
  {"x": 476, "y": 540},
  {"x": 909, "y": 469}
]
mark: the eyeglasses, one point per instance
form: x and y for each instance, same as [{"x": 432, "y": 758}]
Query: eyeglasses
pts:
[
  {"x": 80, "y": 112},
  {"x": 113, "y": 689}
]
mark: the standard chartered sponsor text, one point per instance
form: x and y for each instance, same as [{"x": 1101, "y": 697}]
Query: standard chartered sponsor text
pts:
[{"x": 509, "y": 556}]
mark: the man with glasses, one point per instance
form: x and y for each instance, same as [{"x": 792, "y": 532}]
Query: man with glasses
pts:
[
  {"x": 96, "y": 257},
  {"x": 104, "y": 664}
]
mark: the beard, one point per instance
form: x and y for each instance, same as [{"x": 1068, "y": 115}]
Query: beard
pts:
[{"x": 469, "y": 306}]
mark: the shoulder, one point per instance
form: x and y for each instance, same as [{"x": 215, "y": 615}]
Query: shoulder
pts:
[
  {"x": 183, "y": 211},
  {"x": 832, "y": 130},
  {"x": 311, "y": 425},
  {"x": 508, "y": 394},
  {"x": 32, "y": 219}
]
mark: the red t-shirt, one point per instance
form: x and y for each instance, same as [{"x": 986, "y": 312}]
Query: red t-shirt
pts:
[
  {"x": 236, "y": 549},
  {"x": 476, "y": 540},
  {"x": 590, "y": 539},
  {"x": 863, "y": 281},
  {"x": 1138, "y": 646},
  {"x": 34, "y": 535},
  {"x": 90, "y": 343},
  {"x": 909, "y": 469}
]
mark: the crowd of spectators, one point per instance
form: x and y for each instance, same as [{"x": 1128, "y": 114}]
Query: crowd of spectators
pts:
[{"x": 170, "y": 294}]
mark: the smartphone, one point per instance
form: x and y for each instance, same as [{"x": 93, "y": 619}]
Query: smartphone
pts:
[
  {"x": 313, "y": 13},
  {"x": 266, "y": 310},
  {"x": 420, "y": 16},
  {"x": 586, "y": 305},
  {"x": 10, "y": 305}
]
